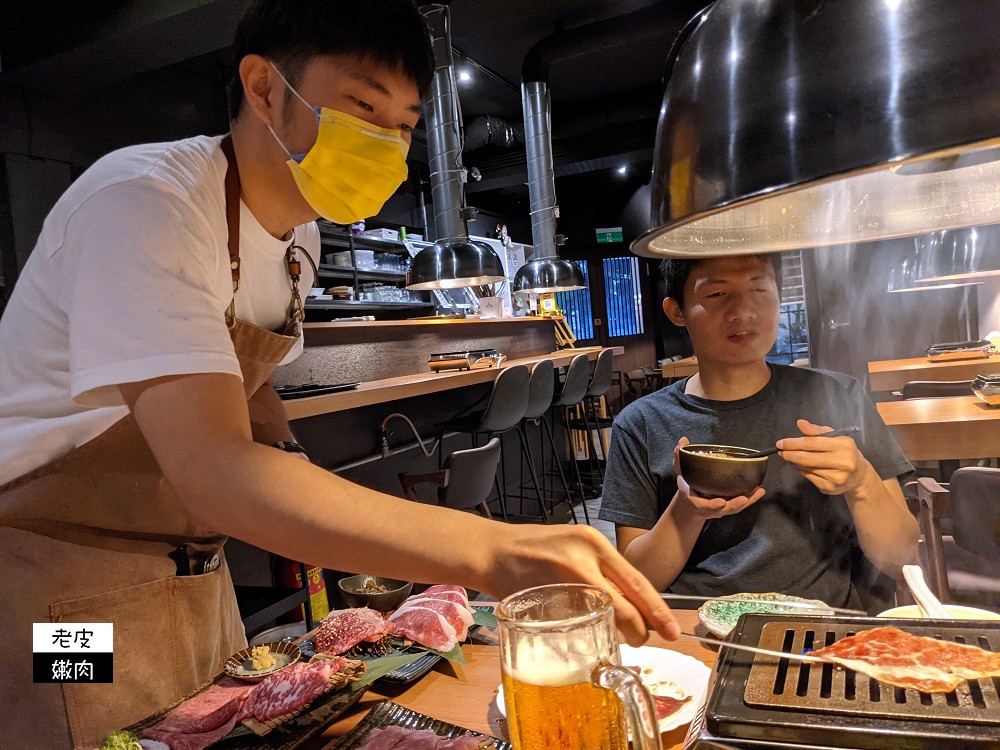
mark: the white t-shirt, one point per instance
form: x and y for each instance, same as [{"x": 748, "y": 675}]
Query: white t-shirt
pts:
[{"x": 130, "y": 280}]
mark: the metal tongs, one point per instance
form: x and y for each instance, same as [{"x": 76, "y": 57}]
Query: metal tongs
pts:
[{"x": 756, "y": 649}]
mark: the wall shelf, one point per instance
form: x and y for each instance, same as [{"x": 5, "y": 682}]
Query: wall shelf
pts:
[
  {"x": 347, "y": 272},
  {"x": 340, "y": 239},
  {"x": 358, "y": 305},
  {"x": 333, "y": 236}
]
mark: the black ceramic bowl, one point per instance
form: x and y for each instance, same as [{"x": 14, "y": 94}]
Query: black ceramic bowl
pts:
[
  {"x": 353, "y": 589},
  {"x": 721, "y": 470}
]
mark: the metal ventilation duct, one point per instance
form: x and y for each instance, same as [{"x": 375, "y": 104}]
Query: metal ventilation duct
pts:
[
  {"x": 489, "y": 130},
  {"x": 650, "y": 22},
  {"x": 444, "y": 140},
  {"x": 453, "y": 261}
]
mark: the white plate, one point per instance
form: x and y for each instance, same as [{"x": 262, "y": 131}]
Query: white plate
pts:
[
  {"x": 667, "y": 673},
  {"x": 912, "y": 612},
  {"x": 721, "y": 617}
]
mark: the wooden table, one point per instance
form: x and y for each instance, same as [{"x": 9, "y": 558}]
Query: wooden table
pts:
[
  {"x": 938, "y": 429},
  {"x": 680, "y": 368},
  {"x": 407, "y": 386},
  {"x": 465, "y": 694},
  {"x": 893, "y": 374}
]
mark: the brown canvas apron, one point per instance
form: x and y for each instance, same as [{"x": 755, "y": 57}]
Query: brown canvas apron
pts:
[{"x": 96, "y": 536}]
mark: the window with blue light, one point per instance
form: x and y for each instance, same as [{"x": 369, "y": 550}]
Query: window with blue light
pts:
[
  {"x": 623, "y": 296},
  {"x": 576, "y": 307}
]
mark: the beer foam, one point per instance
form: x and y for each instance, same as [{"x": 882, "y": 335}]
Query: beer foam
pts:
[{"x": 542, "y": 663}]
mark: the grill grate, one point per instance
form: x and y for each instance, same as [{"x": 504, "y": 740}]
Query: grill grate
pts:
[
  {"x": 755, "y": 703},
  {"x": 830, "y": 689}
]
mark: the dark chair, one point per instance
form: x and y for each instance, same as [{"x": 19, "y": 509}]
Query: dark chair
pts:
[
  {"x": 541, "y": 390},
  {"x": 506, "y": 407},
  {"x": 600, "y": 382},
  {"x": 960, "y": 523},
  {"x": 636, "y": 384},
  {"x": 574, "y": 390},
  {"x": 936, "y": 388},
  {"x": 654, "y": 377},
  {"x": 464, "y": 481}
]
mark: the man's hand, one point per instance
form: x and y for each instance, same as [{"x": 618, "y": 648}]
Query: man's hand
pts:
[
  {"x": 834, "y": 465},
  {"x": 704, "y": 507},
  {"x": 532, "y": 555}
]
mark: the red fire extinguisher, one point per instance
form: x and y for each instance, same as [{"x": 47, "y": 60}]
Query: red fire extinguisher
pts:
[{"x": 289, "y": 575}]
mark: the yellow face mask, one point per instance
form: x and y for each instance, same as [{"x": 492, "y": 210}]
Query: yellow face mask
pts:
[{"x": 353, "y": 167}]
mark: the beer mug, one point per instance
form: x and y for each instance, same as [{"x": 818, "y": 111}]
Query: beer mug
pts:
[{"x": 562, "y": 681}]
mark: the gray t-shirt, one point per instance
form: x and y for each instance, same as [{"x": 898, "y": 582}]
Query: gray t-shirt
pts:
[{"x": 795, "y": 540}]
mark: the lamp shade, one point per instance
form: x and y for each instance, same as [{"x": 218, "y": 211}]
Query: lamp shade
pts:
[
  {"x": 548, "y": 275},
  {"x": 802, "y": 123},
  {"x": 959, "y": 254},
  {"x": 452, "y": 264}
]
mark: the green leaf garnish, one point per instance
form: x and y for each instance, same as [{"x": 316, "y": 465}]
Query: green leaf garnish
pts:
[
  {"x": 454, "y": 655},
  {"x": 381, "y": 666},
  {"x": 484, "y": 618}
]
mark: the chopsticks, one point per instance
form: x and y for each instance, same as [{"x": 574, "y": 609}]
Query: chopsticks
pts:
[
  {"x": 836, "y": 433},
  {"x": 792, "y": 605}
]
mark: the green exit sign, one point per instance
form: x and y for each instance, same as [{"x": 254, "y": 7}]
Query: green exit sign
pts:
[{"x": 608, "y": 234}]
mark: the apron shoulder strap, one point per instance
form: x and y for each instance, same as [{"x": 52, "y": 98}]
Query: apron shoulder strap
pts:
[{"x": 232, "y": 221}]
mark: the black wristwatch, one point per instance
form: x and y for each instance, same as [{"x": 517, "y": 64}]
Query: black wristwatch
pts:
[{"x": 290, "y": 446}]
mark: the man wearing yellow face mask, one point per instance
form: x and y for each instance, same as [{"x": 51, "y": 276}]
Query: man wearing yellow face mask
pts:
[{"x": 137, "y": 428}]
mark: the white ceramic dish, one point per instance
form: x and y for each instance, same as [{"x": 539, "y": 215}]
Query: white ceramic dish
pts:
[
  {"x": 959, "y": 612},
  {"x": 666, "y": 673},
  {"x": 721, "y": 617}
]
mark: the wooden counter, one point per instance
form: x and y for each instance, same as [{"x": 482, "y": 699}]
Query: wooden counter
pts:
[
  {"x": 466, "y": 694},
  {"x": 407, "y": 386},
  {"x": 893, "y": 374},
  {"x": 937, "y": 429}
]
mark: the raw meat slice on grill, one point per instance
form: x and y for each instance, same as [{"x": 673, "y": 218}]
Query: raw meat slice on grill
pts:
[
  {"x": 898, "y": 658},
  {"x": 288, "y": 690},
  {"x": 343, "y": 629},
  {"x": 424, "y": 626},
  {"x": 204, "y": 719},
  {"x": 458, "y": 616}
]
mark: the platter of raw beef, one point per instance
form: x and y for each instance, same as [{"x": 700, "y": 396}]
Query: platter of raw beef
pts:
[
  {"x": 428, "y": 626},
  {"x": 348, "y": 651}
]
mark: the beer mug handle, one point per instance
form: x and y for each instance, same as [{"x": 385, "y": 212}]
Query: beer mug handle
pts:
[{"x": 638, "y": 702}]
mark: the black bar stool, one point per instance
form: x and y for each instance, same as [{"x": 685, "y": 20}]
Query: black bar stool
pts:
[
  {"x": 541, "y": 389},
  {"x": 572, "y": 394},
  {"x": 504, "y": 411},
  {"x": 600, "y": 383}
]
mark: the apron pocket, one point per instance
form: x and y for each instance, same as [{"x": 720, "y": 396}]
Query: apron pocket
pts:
[{"x": 170, "y": 636}]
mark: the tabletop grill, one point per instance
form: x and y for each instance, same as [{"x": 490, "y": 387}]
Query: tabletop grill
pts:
[{"x": 758, "y": 702}]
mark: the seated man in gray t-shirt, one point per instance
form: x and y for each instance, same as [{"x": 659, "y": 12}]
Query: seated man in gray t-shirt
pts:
[{"x": 830, "y": 521}]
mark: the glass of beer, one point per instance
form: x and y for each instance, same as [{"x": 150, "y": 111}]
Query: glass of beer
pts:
[{"x": 563, "y": 683}]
